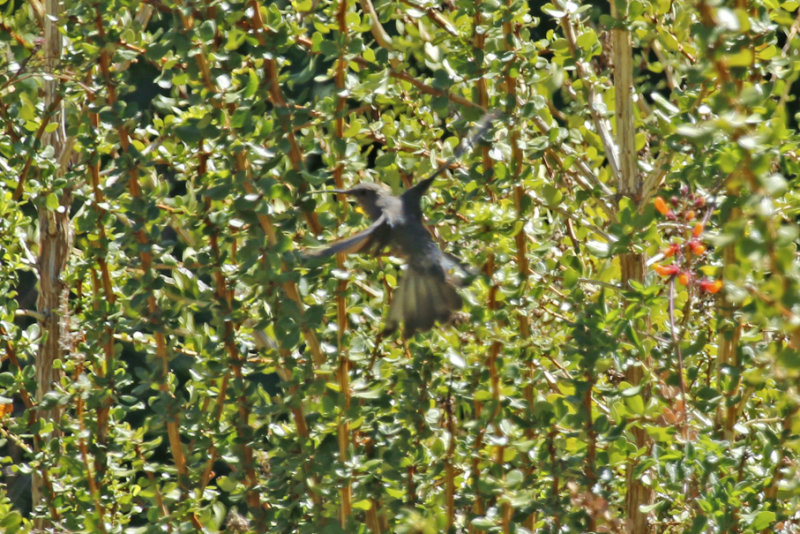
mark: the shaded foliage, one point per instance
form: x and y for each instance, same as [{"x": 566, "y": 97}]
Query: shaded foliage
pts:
[{"x": 212, "y": 377}]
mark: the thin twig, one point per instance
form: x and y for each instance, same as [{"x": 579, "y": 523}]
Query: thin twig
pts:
[
  {"x": 677, "y": 345},
  {"x": 601, "y": 123}
]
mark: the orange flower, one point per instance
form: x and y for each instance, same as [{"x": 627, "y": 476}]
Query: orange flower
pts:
[
  {"x": 666, "y": 270},
  {"x": 671, "y": 250},
  {"x": 684, "y": 278},
  {"x": 712, "y": 286},
  {"x": 697, "y": 247},
  {"x": 690, "y": 215},
  {"x": 697, "y": 230},
  {"x": 661, "y": 205}
]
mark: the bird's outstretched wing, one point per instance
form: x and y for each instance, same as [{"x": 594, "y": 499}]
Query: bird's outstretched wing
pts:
[{"x": 372, "y": 239}]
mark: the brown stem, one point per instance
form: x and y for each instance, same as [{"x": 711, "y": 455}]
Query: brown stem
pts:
[
  {"x": 590, "y": 470},
  {"x": 55, "y": 244},
  {"x": 343, "y": 374},
  {"x": 632, "y": 265}
]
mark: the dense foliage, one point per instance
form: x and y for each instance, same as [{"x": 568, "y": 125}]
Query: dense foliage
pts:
[{"x": 628, "y": 355}]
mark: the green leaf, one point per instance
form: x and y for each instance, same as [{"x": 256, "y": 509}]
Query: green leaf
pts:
[
  {"x": 188, "y": 134},
  {"x": 631, "y": 391},
  {"x": 363, "y": 504},
  {"x": 587, "y": 40},
  {"x": 552, "y": 196},
  {"x": 741, "y": 58},
  {"x": 635, "y": 404},
  {"x": 252, "y": 83},
  {"x": 207, "y": 30},
  {"x": 51, "y": 201},
  {"x": 759, "y": 520}
]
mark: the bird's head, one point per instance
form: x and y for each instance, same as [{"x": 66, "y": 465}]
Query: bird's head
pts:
[{"x": 367, "y": 195}]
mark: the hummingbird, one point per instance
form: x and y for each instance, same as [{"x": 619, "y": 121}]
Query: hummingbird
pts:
[{"x": 427, "y": 292}]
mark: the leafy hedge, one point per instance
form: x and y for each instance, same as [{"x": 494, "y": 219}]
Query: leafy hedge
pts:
[{"x": 628, "y": 356}]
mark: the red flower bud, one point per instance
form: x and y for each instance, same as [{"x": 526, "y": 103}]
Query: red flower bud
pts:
[
  {"x": 671, "y": 250},
  {"x": 661, "y": 205},
  {"x": 697, "y": 247},
  {"x": 712, "y": 286},
  {"x": 666, "y": 270}
]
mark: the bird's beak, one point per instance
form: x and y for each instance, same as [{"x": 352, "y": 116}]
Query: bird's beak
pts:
[{"x": 338, "y": 191}]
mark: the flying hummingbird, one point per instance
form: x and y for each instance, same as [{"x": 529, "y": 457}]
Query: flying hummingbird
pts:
[{"x": 427, "y": 293}]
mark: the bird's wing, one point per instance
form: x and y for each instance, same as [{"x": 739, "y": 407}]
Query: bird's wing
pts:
[
  {"x": 373, "y": 238},
  {"x": 423, "y": 297},
  {"x": 477, "y": 133}
]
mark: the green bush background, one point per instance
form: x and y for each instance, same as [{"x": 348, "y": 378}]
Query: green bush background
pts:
[{"x": 208, "y": 377}]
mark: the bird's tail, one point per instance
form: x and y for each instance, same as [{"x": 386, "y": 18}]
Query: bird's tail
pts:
[{"x": 423, "y": 297}]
